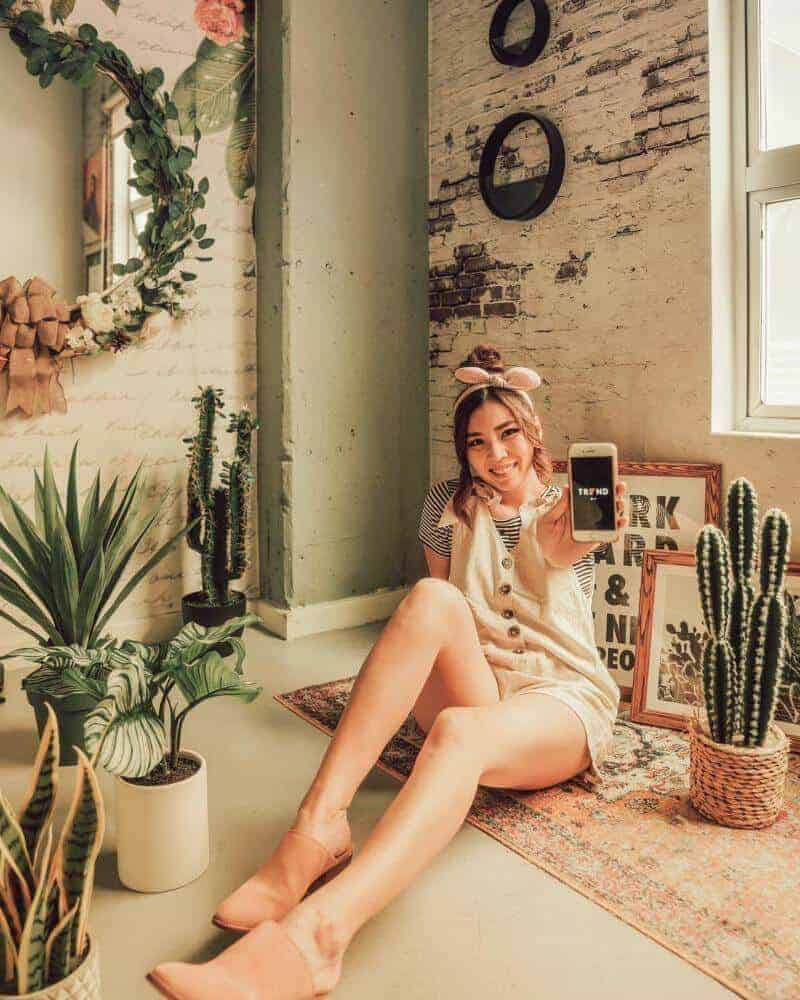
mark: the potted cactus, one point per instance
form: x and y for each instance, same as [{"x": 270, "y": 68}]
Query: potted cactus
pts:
[
  {"x": 739, "y": 756},
  {"x": 45, "y": 889},
  {"x": 220, "y": 513}
]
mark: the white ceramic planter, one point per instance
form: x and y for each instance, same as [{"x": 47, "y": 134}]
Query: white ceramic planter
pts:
[
  {"x": 83, "y": 984},
  {"x": 162, "y": 831}
]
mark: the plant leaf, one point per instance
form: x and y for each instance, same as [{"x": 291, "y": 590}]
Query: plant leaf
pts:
[
  {"x": 7, "y": 943},
  {"x": 35, "y": 815},
  {"x": 207, "y": 91},
  {"x": 137, "y": 577},
  {"x": 11, "y": 591},
  {"x": 211, "y": 677},
  {"x": 81, "y": 839},
  {"x": 73, "y": 517},
  {"x": 24, "y": 628},
  {"x": 15, "y": 516},
  {"x": 65, "y": 577},
  {"x": 31, "y": 958},
  {"x": 13, "y": 849},
  {"x": 90, "y": 506},
  {"x": 89, "y": 598},
  {"x": 124, "y": 732},
  {"x": 240, "y": 153},
  {"x": 96, "y": 532},
  {"x": 60, "y": 10},
  {"x": 57, "y": 954},
  {"x": 192, "y": 641},
  {"x": 113, "y": 5}
]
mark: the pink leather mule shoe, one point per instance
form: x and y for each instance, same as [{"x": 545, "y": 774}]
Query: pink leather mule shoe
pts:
[
  {"x": 298, "y": 865},
  {"x": 264, "y": 965}
]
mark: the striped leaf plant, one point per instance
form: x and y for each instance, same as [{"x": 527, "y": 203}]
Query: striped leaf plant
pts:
[
  {"x": 67, "y": 563},
  {"x": 46, "y": 884},
  {"x": 137, "y": 727}
]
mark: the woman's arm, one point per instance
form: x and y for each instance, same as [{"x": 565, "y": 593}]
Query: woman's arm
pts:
[
  {"x": 555, "y": 535},
  {"x": 439, "y": 566}
]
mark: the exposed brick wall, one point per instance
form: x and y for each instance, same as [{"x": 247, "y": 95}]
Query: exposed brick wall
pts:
[{"x": 613, "y": 278}]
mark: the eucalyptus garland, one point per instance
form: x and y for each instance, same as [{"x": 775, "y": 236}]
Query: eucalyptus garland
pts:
[{"x": 156, "y": 281}]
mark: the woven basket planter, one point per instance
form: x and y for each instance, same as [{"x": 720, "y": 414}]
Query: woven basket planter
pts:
[
  {"x": 83, "y": 984},
  {"x": 735, "y": 785}
]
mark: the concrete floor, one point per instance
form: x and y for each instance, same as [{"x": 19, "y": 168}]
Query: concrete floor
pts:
[{"x": 479, "y": 922}]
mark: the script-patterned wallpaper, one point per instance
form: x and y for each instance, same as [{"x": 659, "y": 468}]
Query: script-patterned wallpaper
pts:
[
  {"x": 606, "y": 293},
  {"x": 136, "y": 407}
]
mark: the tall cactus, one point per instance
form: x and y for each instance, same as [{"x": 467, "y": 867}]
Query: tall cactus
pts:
[
  {"x": 744, "y": 654},
  {"x": 219, "y": 536},
  {"x": 742, "y": 521},
  {"x": 766, "y": 648},
  {"x": 719, "y": 665}
]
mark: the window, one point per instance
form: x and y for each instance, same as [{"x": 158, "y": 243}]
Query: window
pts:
[
  {"x": 755, "y": 89},
  {"x": 129, "y": 209}
]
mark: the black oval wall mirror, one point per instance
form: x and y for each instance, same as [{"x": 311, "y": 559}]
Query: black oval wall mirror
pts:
[
  {"x": 520, "y": 180},
  {"x": 519, "y": 52}
]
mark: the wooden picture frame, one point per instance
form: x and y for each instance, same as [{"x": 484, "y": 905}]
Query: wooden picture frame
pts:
[
  {"x": 667, "y": 503},
  {"x": 667, "y": 677}
]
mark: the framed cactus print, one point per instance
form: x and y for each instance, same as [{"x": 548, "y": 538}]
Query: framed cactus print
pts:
[
  {"x": 667, "y": 504},
  {"x": 667, "y": 679}
]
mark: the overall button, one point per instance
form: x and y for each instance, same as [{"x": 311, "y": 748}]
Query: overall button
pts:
[
  {"x": 514, "y": 631},
  {"x": 505, "y": 588},
  {"x": 508, "y": 613},
  {"x": 508, "y": 562},
  {"x": 519, "y": 651}
]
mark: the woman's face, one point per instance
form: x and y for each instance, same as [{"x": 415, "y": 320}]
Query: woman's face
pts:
[{"x": 497, "y": 448}]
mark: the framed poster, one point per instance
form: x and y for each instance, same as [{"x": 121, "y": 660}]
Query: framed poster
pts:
[
  {"x": 667, "y": 504},
  {"x": 672, "y": 633}
]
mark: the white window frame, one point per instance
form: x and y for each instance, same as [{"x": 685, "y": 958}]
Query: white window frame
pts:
[
  {"x": 744, "y": 179},
  {"x": 118, "y": 121}
]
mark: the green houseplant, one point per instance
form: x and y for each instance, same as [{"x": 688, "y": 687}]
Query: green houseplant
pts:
[
  {"x": 739, "y": 765},
  {"x": 46, "y": 888},
  {"x": 218, "y": 514},
  {"x": 136, "y": 733},
  {"x": 67, "y": 565}
]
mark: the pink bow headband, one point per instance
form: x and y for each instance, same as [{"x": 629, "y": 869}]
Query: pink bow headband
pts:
[{"x": 518, "y": 379}]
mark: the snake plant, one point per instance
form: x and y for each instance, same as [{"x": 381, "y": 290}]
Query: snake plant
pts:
[
  {"x": 68, "y": 561},
  {"x": 46, "y": 887},
  {"x": 744, "y": 655}
]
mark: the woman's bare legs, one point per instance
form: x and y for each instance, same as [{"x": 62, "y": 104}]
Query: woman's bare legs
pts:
[
  {"x": 432, "y": 632},
  {"x": 532, "y": 741}
]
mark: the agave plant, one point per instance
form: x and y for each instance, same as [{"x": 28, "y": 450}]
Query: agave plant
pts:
[
  {"x": 46, "y": 889},
  {"x": 68, "y": 561},
  {"x": 145, "y": 692}
]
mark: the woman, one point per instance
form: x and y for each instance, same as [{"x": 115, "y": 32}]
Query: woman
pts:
[{"x": 494, "y": 655}]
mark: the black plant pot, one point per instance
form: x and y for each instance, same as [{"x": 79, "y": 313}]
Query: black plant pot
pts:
[
  {"x": 71, "y": 714},
  {"x": 195, "y": 609}
]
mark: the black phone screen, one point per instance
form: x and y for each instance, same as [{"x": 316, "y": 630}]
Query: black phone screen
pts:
[{"x": 593, "y": 493}]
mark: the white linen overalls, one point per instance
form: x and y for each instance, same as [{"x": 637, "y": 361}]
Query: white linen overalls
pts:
[{"x": 534, "y": 622}]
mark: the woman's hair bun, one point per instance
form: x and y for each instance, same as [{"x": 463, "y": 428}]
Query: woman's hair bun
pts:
[{"x": 485, "y": 356}]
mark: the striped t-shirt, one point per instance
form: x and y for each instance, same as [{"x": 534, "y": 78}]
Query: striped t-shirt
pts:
[{"x": 440, "y": 538}]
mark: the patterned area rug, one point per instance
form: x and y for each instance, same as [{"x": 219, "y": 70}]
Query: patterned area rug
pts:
[{"x": 727, "y": 901}]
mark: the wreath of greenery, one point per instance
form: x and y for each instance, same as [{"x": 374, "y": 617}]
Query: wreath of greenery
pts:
[{"x": 160, "y": 166}]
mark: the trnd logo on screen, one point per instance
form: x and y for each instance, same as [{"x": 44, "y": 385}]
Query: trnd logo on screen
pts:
[{"x": 593, "y": 491}]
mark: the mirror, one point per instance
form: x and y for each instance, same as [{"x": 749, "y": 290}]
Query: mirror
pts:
[
  {"x": 522, "y": 166},
  {"x": 68, "y": 213}
]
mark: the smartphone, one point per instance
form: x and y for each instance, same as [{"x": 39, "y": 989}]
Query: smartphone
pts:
[{"x": 592, "y": 471}]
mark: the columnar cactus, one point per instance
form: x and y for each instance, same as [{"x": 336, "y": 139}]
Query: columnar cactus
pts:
[
  {"x": 219, "y": 536},
  {"x": 744, "y": 654}
]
